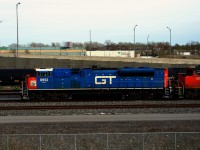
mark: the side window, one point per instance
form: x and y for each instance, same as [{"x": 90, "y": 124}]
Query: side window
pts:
[
  {"x": 197, "y": 72},
  {"x": 189, "y": 72},
  {"x": 44, "y": 74}
]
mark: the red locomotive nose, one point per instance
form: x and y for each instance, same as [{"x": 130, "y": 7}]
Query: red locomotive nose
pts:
[
  {"x": 191, "y": 79},
  {"x": 31, "y": 82},
  {"x": 166, "y": 74}
]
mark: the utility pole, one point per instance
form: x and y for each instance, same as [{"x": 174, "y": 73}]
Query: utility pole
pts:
[
  {"x": 17, "y": 28},
  {"x": 90, "y": 41},
  {"x": 0, "y": 22},
  {"x": 147, "y": 44},
  {"x": 170, "y": 42},
  {"x": 134, "y": 36}
]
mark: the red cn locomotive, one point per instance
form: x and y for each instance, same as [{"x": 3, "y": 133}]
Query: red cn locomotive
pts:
[{"x": 191, "y": 82}]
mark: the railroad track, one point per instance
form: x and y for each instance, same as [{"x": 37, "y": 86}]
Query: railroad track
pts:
[
  {"x": 10, "y": 92},
  {"x": 65, "y": 107}
]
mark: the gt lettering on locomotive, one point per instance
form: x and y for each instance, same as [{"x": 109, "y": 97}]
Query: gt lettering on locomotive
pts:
[{"x": 103, "y": 79}]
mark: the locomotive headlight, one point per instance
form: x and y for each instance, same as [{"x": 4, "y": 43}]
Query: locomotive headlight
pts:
[{"x": 33, "y": 83}]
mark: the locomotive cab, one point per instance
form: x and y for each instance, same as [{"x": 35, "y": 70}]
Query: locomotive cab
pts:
[
  {"x": 191, "y": 79},
  {"x": 191, "y": 82},
  {"x": 44, "y": 78}
]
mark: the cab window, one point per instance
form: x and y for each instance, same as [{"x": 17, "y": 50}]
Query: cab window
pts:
[
  {"x": 43, "y": 74},
  {"x": 189, "y": 72}
]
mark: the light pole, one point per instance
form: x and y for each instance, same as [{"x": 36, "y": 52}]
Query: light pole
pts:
[
  {"x": 170, "y": 41},
  {"x": 147, "y": 42},
  {"x": 134, "y": 35},
  {"x": 17, "y": 28},
  {"x": 0, "y": 22},
  {"x": 90, "y": 41}
]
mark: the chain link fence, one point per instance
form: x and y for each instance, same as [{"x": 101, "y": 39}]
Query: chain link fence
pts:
[{"x": 102, "y": 141}]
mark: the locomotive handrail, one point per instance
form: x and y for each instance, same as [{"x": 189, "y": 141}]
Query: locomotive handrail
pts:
[
  {"x": 175, "y": 84},
  {"x": 182, "y": 86}
]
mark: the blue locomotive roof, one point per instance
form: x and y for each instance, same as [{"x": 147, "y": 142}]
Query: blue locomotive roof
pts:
[{"x": 134, "y": 70}]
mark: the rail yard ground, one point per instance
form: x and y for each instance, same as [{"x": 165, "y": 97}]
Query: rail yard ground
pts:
[
  {"x": 170, "y": 134},
  {"x": 49, "y": 108},
  {"x": 96, "y": 133}
]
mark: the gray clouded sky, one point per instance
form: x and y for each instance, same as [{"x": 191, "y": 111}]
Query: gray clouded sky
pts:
[{"x": 49, "y": 21}]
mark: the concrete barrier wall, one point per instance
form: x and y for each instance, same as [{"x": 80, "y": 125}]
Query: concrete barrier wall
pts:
[
  {"x": 118, "y": 141},
  {"x": 12, "y": 62}
]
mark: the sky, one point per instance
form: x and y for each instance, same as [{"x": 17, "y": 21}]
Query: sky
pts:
[{"x": 48, "y": 21}]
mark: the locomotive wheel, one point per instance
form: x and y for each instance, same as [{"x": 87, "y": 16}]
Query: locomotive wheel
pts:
[{"x": 192, "y": 94}]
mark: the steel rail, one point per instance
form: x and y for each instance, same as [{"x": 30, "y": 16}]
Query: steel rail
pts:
[{"x": 65, "y": 107}]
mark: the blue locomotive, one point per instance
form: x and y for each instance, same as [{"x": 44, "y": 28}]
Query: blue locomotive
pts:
[{"x": 64, "y": 83}]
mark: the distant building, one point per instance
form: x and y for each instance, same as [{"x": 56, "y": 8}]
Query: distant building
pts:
[
  {"x": 66, "y": 51},
  {"x": 106, "y": 53},
  {"x": 184, "y": 53}
]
